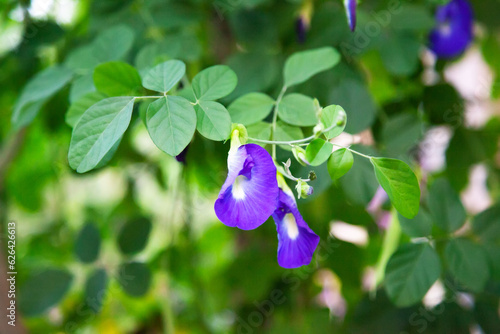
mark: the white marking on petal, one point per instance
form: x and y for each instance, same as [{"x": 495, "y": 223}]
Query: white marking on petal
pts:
[
  {"x": 291, "y": 226},
  {"x": 238, "y": 187}
]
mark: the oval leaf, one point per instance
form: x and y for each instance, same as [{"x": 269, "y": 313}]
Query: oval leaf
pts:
[
  {"x": 301, "y": 66},
  {"x": 333, "y": 115},
  {"x": 44, "y": 290},
  {"x": 340, "y": 162},
  {"x": 420, "y": 226},
  {"x": 318, "y": 151},
  {"x": 250, "y": 108},
  {"x": 214, "y": 82},
  {"x": 410, "y": 273},
  {"x": 171, "y": 122},
  {"x": 285, "y": 132},
  {"x": 486, "y": 224},
  {"x": 36, "y": 92},
  {"x": 400, "y": 184},
  {"x": 116, "y": 78},
  {"x": 164, "y": 76},
  {"x": 95, "y": 289},
  {"x": 445, "y": 206},
  {"x": 468, "y": 262},
  {"x": 134, "y": 236},
  {"x": 213, "y": 120},
  {"x": 78, "y": 108},
  {"x": 100, "y": 127},
  {"x": 134, "y": 278},
  {"x": 88, "y": 243},
  {"x": 298, "y": 109}
]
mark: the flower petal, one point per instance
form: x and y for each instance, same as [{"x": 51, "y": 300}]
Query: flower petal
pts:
[
  {"x": 249, "y": 195},
  {"x": 350, "y": 10},
  {"x": 296, "y": 241},
  {"x": 454, "y": 31}
]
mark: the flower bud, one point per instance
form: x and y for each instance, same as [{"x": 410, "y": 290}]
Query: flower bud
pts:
[
  {"x": 300, "y": 155},
  {"x": 303, "y": 189}
]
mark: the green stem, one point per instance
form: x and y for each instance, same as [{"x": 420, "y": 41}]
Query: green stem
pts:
[
  {"x": 147, "y": 97},
  {"x": 275, "y": 117},
  {"x": 292, "y": 142}
]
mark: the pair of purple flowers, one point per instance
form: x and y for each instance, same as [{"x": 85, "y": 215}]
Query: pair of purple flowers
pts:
[
  {"x": 252, "y": 193},
  {"x": 454, "y": 31}
]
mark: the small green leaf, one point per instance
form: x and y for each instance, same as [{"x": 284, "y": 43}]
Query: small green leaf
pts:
[
  {"x": 285, "y": 132},
  {"x": 100, "y": 127},
  {"x": 297, "y": 109},
  {"x": 410, "y": 273},
  {"x": 318, "y": 151},
  {"x": 78, "y": 108},
  {"x": 445, "y": 206},
  {"x": 95, "y": 289},
  {"x": 486, "y": 224},
  {"x": 164, "y": 76},
  {"x": 468, "y": 262},
  {"x": 340, "y": 163},
  {"x": 171, "y": 122},
  {"x": 261, "y": 130},
  {"x": 134, "y": 235},
  {"x": 420, "y": 226},
  {"x": 213, "y": 120},
  {"x": 113, "y": 43},
  {"x": 301, "y": 66},
  {"x": 88, "y": 243},
  {"x": 333, "y": 115},
  {"x": 214, "y": 82},
  {"x": 36, "y": 92},
  {"x": 134, "y": 278},
  {"x": 250, "y": 108},
  {"x": 400, "y": 184},
  {"x": 43, "y": 290},
  {"x": 116, "y": 78}
]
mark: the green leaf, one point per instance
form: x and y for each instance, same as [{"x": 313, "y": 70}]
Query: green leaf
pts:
[
  {"x": 134, "y": 278},
  {"x": 400, "y": 184},
  {"x": 43, "y": 290},
  {"x": 298, "y": 109},
  {"x": 420, "y": 226},
  {"x": 100, "y": 127},
  {"x": 171, "y": 122},
  {"x": 95, "y": 289},
  {"x": 445, "y": 206},
  {"x": 333, "y": 115},
  {"x": 78, "y": 108},
  {"x": 213, "y": 120},
  {"x": 36, "y": 92},
  {"x": 117, "y": 78},
  {"x": 164, "y": 76},
  {"x": 301, "y": 66},
  {"x": 134, "y": 235},
  {"x": 81, "y": 86},
  {"x": 410, "y": 273},
  {"x": 468, "y": 262},
  {"x": 285, "y": 132},
  {"x": 250, "y": 108},
  {"x": 214, "y": 82},
  {"x": 113, "y": 43},
  {"x": 318, "y": 151},
  {"x": 340, "y": 162},
  {"x": 261, "y": 130},
  {"x": 88, "y": 243},
  {"x": 486, "y": 224},
  {"x": 401, "y": 133}
]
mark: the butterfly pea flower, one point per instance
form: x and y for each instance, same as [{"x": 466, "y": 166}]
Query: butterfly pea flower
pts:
[
  {"x": 249, "y": 194},
  {"x": 453, "y": 33},
  {"x": 296, "y": 241},
  {"x": 350, "y": 10},
  {"x": 303, "y": 22}
]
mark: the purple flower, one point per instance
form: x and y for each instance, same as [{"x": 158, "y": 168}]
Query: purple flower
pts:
[
  {"x": 296, "y": 241},
  {"x": 350, "y": 10},
  {"x": 181, "y": 157},
  {"x": 301, "y": 28},
  {"x": 453, "y": 33},
  {"x": 248, "y": 197}
]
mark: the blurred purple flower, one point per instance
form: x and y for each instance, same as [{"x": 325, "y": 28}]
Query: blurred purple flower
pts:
[
  {"x": 181, "y": 157},
  {"x": 453, "y": 33},
  {"x": 350, "y": 10},
  {"x": 248, "y": 197},
  {"x": 296, "y": 241},
  {"x": 301, "y": 28}
]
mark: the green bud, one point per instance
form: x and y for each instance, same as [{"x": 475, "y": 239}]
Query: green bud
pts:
[
  {"x": 303, "y": 189},
  {"x": 300, "y": 155}
]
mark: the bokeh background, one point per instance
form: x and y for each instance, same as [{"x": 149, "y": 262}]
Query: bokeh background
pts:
[{"x": 135, "y": 247}]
